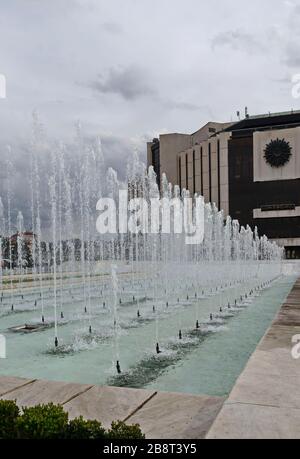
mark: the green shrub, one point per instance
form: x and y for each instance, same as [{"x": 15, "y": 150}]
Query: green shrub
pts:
[
  {"x": 85, "y": 430},
  {"x": 9, "y": 413},
  {"x": 43, "y": 422},
  {"x": 120, "y": 430},
  {"x": 51, "y": 422}
]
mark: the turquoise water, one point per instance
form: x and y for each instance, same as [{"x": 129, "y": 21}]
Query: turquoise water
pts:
[
  {"x": 213, "y": 368},
  {"x": 203, "y": 362}
]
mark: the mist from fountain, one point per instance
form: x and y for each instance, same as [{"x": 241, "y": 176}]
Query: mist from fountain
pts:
[{"x": 109, "y": 284}]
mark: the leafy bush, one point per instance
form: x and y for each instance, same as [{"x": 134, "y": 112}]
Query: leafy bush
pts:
[
  {"x": 9, "y": 413},
  {"x": 120, "y": 430},
  {"x": 83, "y": 430},
  {"x": 51, "y": 422},
  {"x": 43, "y": 421}
]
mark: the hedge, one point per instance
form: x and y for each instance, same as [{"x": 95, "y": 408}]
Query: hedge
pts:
[{"x": 51, "y": 422}]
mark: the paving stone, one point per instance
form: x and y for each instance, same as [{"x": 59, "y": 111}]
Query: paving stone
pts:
[
  {"x": 177, "y": 416},
  {"x": 244, "y": 422},
  {"x": 8, "y": 383},
  {"x": 107, "y": 404},
  {"x": 265, "y": 401},
  {"x": 46, "y": 392}
]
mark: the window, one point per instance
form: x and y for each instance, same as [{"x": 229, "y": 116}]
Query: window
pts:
[
  {"x": 186, "y": 172},
  {"x": 194, "y": 173},
  {"x": 201, "y": 161},
  {"x": 209, "y": 167},
  {"x": 219, "y": 177},
  {"x": 179, "y": 166}
]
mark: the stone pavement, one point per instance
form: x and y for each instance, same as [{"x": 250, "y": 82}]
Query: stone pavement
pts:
[
  {"x": 265, "y": 401},
  {"x": 161, "y": 415}
]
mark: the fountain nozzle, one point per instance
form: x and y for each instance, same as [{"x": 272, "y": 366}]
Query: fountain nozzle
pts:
[{"x": 118, "y": 367}]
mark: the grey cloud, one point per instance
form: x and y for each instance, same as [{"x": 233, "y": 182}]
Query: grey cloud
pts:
[
  {"x": 292, "y": 57},
  {"x": 178, "y": 105},
  {"x": 185, "y": 106},
  {"x": 116, "y": 150},
  {"x": 159, "y": 80},
  {"x": 238, "y": 40},
  {"x": 113, "y": 28},
  {"x": 130, "y": 83},
  {"x": 283, "y": 80}
]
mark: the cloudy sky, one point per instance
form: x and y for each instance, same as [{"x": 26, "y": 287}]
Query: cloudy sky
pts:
[{"x": 130, "y": 69}]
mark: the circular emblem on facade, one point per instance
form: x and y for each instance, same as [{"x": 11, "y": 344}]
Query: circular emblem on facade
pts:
[{"x": 278, "y": 152}]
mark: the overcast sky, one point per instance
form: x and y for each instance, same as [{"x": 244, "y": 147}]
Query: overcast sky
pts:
[{"x": 130, "y": 69}]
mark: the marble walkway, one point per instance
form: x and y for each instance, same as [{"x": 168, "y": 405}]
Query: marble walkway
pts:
[
  {"x": 161, "y": 415},
  {"x": 265, "y": 401}
]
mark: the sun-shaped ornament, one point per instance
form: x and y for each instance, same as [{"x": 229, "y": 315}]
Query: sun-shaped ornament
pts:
[{"x": 278, "y": 152}]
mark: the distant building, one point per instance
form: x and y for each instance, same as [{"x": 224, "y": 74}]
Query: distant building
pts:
[
  {"x": 28, "y": 238},
  {"x": 163, "y": 153},
  {"x": 250, "y": 169}
]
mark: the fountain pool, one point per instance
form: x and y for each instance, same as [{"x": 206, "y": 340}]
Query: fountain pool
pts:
[
  {"x": 138, "y": 308},
  {"x": 203, "y": 361}
]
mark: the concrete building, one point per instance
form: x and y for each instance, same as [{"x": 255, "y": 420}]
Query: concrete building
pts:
[
  {"x": 250, "y": 169},
  {"x": 163, "y": 153}
]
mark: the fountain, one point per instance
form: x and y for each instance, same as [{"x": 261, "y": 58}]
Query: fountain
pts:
[{"x": 134, "y": 302}]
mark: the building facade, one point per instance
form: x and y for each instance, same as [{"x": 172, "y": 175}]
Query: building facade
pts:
[{"x": 249, "y": 169}]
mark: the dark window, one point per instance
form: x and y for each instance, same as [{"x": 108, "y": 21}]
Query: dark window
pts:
[
  {"x": 242, "y": 166},
  {"x": 156, "y": 160},
  {"x": 268, "y": 208},
  {"x": 179, "y": 172},
  {"x": 194, "y": 173},
  {"x": 238, "y": 167},
  {"x": 293, "y": 253},
  {"x": 186, "y": 172},
  {"x": 209, "y": 169},
  {"x": 219, "y": 177},
  {"x": 201, "y": 161}
]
